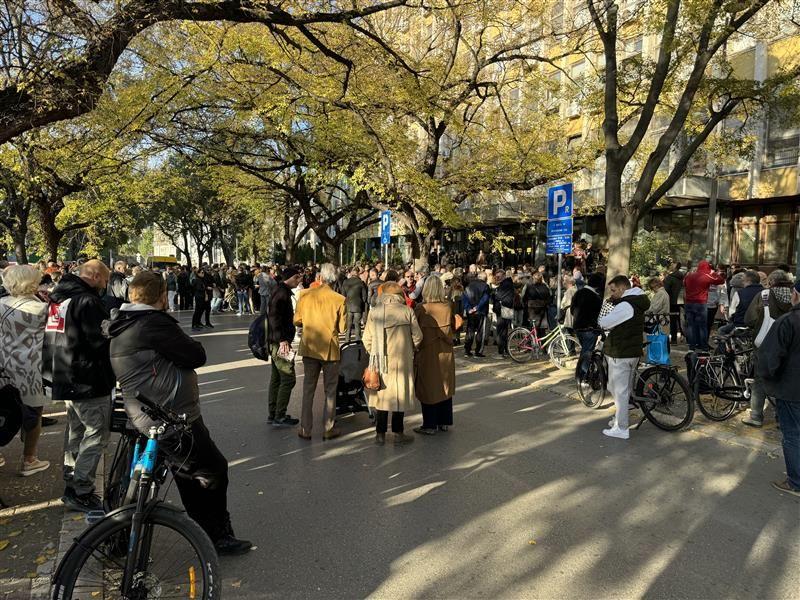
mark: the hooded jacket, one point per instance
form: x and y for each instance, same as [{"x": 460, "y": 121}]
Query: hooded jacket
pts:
[
  {"x": 75, "y": 353},
  {"x": 697, "y": 283},
  {"x": 626, "y": 324},
  {"x": 151, "y": 354}
]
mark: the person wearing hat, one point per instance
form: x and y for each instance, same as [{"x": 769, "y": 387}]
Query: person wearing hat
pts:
[
  {"x": 778, "y": 364},
  {"x": 280, "y": 317}
]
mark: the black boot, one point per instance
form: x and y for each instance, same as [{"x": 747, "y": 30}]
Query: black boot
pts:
[{"x": 228, "y": 545}]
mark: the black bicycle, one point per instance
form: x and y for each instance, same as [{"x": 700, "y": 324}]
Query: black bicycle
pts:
[
  {"x": 718, "y": 378},
  {"x": 167, "y": 554},
  {"x": 661, "y": 393}
]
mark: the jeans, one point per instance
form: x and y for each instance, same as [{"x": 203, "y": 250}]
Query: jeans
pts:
[
  {"x": 330, "y": 379},
  {"x": 588, "y": 340},
  {"x": 281, "y": 383},
  {"x": 620, "y": 380},
  {"x": 193, "y": 453},
  {"x": 243, "y": 300},
  {"x": 696, "y": 326},
  {"x": 353, "y": 323},
  {"x": 85, "y": 440},
  {"x": 171, "y": 299},
  {"x": 788, "y": 414},
  {"x": 216, "y": 304},
  {"x": 382, "y": 421}
]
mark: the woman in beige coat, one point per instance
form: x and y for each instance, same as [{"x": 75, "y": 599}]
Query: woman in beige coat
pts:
[
  {"x": 435, "y": 377},
  {"x": 391, "y": 337}
]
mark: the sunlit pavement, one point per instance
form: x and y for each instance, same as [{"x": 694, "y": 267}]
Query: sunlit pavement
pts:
[{"x": 523, "y": 498}]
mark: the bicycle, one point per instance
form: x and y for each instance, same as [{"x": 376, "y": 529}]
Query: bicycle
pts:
[
  {"x": 562, "y": 347},
  {"x": 718, "y": 379},
  {"x": 97, "y": 566},
  {"x": 661, "y": 393}
]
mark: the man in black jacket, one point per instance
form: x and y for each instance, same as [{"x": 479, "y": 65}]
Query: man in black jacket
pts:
[
  {"x": 117, "y": 289},
  {"x": 503, "y": 308},
  {"x": 76, "y": 363},
  {"x": 355, "y": 291},
  {"x": 585, "y": 309},
  {"x": 673, "y": 284},
  {"x": 281, "y": 334},
  {"x": 152, "y": 355},
  {"x": 184, "y": 289},
  {"x": 779, "y": 366}
]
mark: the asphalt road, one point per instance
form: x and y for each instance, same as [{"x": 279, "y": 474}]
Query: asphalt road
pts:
[{"x": 524, "y": 497}]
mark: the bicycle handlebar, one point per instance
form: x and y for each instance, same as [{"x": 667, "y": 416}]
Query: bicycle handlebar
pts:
[{"x": 159, "y": 413}]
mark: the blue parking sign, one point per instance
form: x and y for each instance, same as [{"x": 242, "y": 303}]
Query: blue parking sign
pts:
[
  {"x": 386, "y": 227},
  {"x": 559, "y": 202}
]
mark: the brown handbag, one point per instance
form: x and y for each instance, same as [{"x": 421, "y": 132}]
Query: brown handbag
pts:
[
  {"x": 372, "y": 374},
  {"x": 459, "y": 321}
]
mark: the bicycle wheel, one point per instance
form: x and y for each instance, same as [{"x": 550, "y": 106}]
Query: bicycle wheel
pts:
[
  {"x": 520, "y": 345},
  {"x": 665, "y": 398},
  {"x": 593, "y": 385},
  {"x": 119, "y": 474},
  {"x": 564, "y": 352},
  {"x": 727, "y": 392},
  {"x": 181, "y": 563}
]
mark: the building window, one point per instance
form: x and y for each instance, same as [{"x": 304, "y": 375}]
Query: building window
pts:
[
  {"x": 746, "y": 237},
  {"x": 551, "y": 98},
  {"x": 782, "y": 151},
  {"x": 557, "y": 17},
  {"x": 776, "y": 235},
  {"x": 576, "y": 73}
]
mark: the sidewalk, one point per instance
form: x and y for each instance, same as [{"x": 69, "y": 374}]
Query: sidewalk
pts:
[{"x": 542, "y": 375}]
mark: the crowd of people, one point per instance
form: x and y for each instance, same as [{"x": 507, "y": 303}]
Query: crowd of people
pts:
[{"x": 80, "y": 329}]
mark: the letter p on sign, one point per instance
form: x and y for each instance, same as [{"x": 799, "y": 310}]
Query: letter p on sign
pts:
[{"x": 559, "y": 202}]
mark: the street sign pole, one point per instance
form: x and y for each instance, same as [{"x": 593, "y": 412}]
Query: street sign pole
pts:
[{"x": 559, "y": 228}]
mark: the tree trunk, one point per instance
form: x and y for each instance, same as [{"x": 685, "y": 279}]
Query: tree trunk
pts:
[
  {"x": 621, "y": 227},
  {"x": 19, "y": 237},
  {"x": 331, "y": 252}
]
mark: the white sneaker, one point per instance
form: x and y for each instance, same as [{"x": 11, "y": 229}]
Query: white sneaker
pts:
[
  {"x": 30, "y": 468},
  {"x": 616, "y": 432},
  {"x": 611, "y": 422}
]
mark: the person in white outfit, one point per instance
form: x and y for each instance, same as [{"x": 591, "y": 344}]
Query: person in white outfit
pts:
[{"x": 623, "y": 347}]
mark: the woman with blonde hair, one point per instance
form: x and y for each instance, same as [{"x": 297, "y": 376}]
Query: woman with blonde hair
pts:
[
  {"x": 435, "y": 365},
  {"x": 391, "y": 336},
  {"x": 22, "y": 320}
]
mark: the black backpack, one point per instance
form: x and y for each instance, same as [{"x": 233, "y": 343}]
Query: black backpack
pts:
[{"x": 258, "y": 338}]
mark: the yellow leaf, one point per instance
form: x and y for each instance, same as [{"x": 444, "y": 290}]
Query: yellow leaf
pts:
[
  {"x": 40, "y": 560},
  {"x": 4, "y": 544},
  {"x": 14, "y": 533}
]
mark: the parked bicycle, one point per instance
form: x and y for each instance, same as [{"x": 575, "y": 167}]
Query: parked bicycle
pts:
[
  {"x": 718, "y": 379},
  {"x": 167, "y": 553},
  {"x": 560, "y": 345},
  {"x": 661, "y": 393}
]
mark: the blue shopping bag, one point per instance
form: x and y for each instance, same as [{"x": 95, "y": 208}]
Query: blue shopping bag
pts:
[{"x": 658, "y": 348}]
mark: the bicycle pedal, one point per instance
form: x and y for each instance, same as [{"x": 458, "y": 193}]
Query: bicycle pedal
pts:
[{"x": 94, "y": 516}]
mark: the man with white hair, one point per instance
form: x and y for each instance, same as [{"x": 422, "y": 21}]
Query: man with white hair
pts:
[
  {"x": 322, "y": 314},
  {"x": 77, "y": 363}
]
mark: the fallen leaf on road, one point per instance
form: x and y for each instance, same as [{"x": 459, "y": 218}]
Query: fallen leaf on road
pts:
[
  {"x": 40, "y": 560},
  {"x": 14, "y": 533},
  {"x": 532, "y": 542},
  {"x": 260, "y": 493},
  {"x": 4, "y": 544},
  {"x": 237, "y": 583}
]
